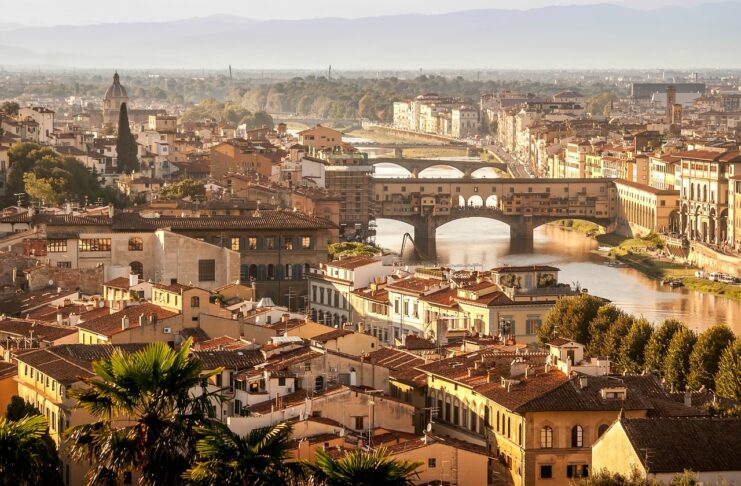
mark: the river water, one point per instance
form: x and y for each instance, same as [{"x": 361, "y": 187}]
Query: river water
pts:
[{"x": 484, "y": 243}]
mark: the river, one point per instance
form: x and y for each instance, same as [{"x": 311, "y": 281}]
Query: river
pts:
[{"x": 484, "y": 243}]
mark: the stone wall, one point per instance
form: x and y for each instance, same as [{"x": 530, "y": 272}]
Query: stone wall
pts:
[
  {"x": 711, "y": 261},
  {"x": 8, "y": 262},
  {"x": 87, "y": 280}
]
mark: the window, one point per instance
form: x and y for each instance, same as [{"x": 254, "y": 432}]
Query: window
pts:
[
  {"x": 136, "y": 244},
  {"x": 577, "y": 471},
  {"x": 137, "y": 268},
  {"x": 431, "y": 462},
  {"x": 64, "y": 264},
  {"x": 319, "y": 383},
  {"x": 252, "y": 243},
  {"x": 546, "y": 438},
  {"x": 577, "y": 436},
  {"x": 546, "y": 471},
  {"x": 206, "y": 270},
  {"x": 359, "y": 423},
  {"x": 305, "y": 242},
  {"x": 602, "y": 429},
  {"x": 56, "y": 246},
  {"x": 95, "y": 244},
  {"x": 287, "y": 243},
  {"x": 234, "y": 244},
  {"x": 532, "y": 325},
  {"x": 195, "y": 301},
  {"x": 282, "y": 381}
]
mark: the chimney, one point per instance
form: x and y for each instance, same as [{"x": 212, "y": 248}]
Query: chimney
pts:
[
  {"x": 133, "y": 279},
  {"x": 111, "y": 211},
  {"x": 471, "y": 372},
  {"x": 491, "y": 376},
  {"x": 124, "y": 323},
  {"x": 517, "y": 367},
  {"x": 59, "y": 317},
  {"x": 687, "y": 398},
  {"x": 583, "y": 381},
  {"x": 74, "y": 319}
]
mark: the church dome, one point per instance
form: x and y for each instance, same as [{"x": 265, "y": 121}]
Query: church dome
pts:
[{"x": 115, "y": 90}]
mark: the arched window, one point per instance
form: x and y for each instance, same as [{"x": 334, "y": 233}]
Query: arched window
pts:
[
  {"x": 577, "y": 436},
  {"x": 136, "y": 244},
  {"x": 137, "y": 268},
  {"x": 195, "y": 301},
  {"x": 546, "y": 437},
  {"x": 319, "y": 383},
  {"x": 602, "y": 429}
]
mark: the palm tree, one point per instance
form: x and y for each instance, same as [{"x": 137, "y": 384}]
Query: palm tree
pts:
[
  {"x": 227, "y": 459},
  {"x": 361, "y": 468},
  {"x": 146, "y": 415},
  {"x": 26, "y": 456}
]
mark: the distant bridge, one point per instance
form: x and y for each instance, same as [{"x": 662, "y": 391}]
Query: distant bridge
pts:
[
  {"x": 523, "y": 204},
  {"x": 416, "y": 166}
]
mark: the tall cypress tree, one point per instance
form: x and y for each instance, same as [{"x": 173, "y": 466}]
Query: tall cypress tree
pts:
[{"x": 125, "y": 144}]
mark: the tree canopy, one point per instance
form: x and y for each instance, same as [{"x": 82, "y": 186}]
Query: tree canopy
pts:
[
  {"x": 706, "y": 355},
  {"x": 658, "y": 345},
  {"x": 229, "y": 112},
  {"x": 570, "y": 318},
  {"x": 728, "y": 377},
  {"x": 677, "y": 362},
  {"x": 126, "y": 148},
  {"x": 183, "y": 188},
  {"x": 49, "y": 177}
]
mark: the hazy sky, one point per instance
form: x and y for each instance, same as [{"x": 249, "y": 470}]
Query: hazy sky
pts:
[{"x": 55, "y": 12}]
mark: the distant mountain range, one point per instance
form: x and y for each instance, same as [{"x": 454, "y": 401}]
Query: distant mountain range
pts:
[{"x": 592, "y": 36}]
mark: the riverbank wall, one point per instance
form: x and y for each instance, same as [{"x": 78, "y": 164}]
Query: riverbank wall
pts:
[{"x": 710, "y": 260}]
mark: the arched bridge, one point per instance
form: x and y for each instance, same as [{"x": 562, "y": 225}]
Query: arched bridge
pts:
[
  {"x": 416, "y": 166},
  {"x": 523, "y": 204}
]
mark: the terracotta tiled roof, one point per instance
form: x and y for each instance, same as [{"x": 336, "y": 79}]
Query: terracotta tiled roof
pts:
[
  {"x": 268, "y": 219},
  {"x": 353, "y": 262},
  {"x": 42, "y": 332},
  {"x": 328, "y": 336},
  {"x": 528, "y": 268},
  {"x": 173, "y": 287},
  {"x": 231, "y": 360},
  {"x": 296, "y": 398},
  {"x": 111, "y": 324},
  {"x": 679, "y": 444},
  {"x": 119, "y": 283}
]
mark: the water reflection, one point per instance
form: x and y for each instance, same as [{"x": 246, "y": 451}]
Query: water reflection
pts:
[{"x": 483, "y": 243}]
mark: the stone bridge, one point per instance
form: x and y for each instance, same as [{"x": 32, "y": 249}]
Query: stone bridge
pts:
[
  {"x": 416, "y": 166},
  {"x": 399, "y": 148},
  {"x": 522, "y": 204}
]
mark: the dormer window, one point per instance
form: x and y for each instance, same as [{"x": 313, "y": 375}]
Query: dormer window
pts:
[{"x": 618, "y": 393}]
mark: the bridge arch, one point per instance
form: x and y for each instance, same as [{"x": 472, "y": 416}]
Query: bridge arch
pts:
[
  {"x": 492, "y": 201},
  {"x": 441, "y": 166},
  {"x": 475, "y": 201}
]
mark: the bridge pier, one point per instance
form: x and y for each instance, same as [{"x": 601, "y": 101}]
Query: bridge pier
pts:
[
  {"x": 522, "y": 229},
  {"x": 425, "y": 230}
]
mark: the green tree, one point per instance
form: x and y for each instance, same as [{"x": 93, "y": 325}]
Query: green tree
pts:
[
  {"x": 126, "y": 149},
  {"x": 728, "y": 377},
  {"x": 613, "y": 342},
  {"x": 632, "y": 348},
  {"x": 361, "y": 468},
  {"x": 599, "y": 328},
  {"x": 570, "y": 318},
  {"x": 183, "y": 188},
  {"x": 48, "y": 191},
  {"x": 9, "y": 108},
  {"x": 153, "y": 389},
  {"x": 658, "y": 345},
  {"x": 26, "y": 457},
  {"x": 606, "y": 478},
  {"x": 225, "y": 458},
  {"x": 19, "y": 408},
  {"x": 706, "y": 355},
  {"x": 677, "y": 362}
]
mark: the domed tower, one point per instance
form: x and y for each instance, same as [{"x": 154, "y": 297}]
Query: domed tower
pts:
[{"x": 114, "y": 96}]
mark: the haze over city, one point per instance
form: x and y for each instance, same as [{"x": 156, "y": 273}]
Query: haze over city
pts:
[{"x": 370, "y": 243}]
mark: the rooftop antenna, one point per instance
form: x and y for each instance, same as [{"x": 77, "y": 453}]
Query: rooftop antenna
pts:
[
  {"x": 230, "y": 72},
  {"x": 329, "y": 73}
]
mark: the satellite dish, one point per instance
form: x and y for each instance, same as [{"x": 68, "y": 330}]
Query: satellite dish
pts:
[
  {"x": 429, "y": 427},
  {"x": 51, "y": 283}
]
